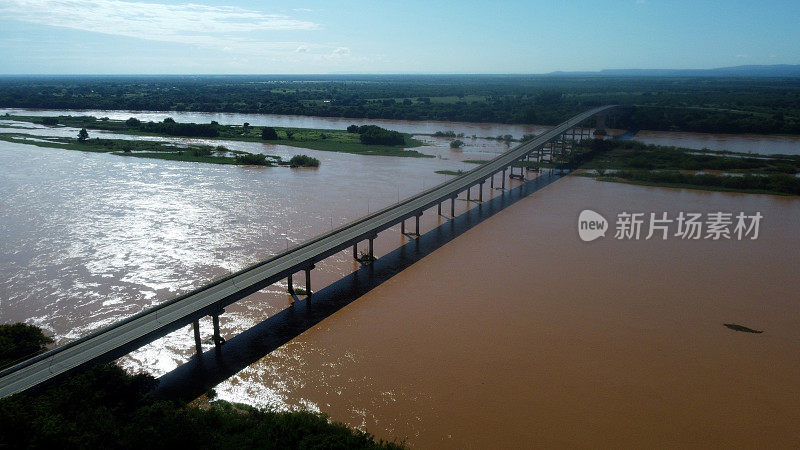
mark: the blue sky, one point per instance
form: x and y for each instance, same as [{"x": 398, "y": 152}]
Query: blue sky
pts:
[{"x": 363, "y": 36}]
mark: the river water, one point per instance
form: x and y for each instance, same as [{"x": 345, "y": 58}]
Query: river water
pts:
[
  {"x": 517, "y": 334},
  {"x": 761, "y": 144},
  {"x": 537, "y": 337}
]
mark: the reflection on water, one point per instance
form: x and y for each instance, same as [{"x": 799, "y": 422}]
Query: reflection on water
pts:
[{"x": 88, "y": 238}]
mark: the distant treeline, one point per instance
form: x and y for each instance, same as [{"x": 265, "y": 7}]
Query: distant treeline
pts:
[{"x": 731, "y": 105}]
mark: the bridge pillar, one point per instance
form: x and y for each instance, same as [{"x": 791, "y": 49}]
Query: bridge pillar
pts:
[
  {"x": 290, "y": 284},
  {"x": 453, "y": 207},
  {"x": 355, "y": 251},
  {"x": 439, "y": 208},
  {"x": 218, "y": 340},
  {"x": 503, "y": 187},
  {"x": 468, "y": 194},
  {"x": 480, "y": 191},
  {"x": 308, "y": 281},
  {"x": 371, "y": 248},
  {"x": 403, "y": 227},
  {"x": 198, "y": 344},
  {"x": 417, "y": 223},
  {"x": 491, "y": 182}
]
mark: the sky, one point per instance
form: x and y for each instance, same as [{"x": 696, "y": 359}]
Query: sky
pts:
[{"x": 381, "y": 36}]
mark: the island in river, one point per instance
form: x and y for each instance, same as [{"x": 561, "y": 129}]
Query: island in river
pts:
[{"x": 364, "y": 140}]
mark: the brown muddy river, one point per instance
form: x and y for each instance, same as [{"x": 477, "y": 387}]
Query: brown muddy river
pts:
[
  {"x": 519, "y": 334},
  {"x": 514, "y": 334}
]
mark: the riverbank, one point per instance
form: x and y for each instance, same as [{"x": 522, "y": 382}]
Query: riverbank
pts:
[
  {"x": 653, "y": 165},
  {"x": 160, "y": 150},
  {"x": 314, "y": 139}
]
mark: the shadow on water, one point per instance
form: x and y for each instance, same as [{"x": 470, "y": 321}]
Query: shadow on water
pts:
[{"x": 193, "y": 378}]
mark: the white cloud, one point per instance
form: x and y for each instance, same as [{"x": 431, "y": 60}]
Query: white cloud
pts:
[
  {"x": 302, "y": 49},
  {"x": 341, "y": 51},
  {"x": 215, "y": 26}
]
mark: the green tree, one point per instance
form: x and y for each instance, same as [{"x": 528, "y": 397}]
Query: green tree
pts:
[
  {"x": 245, "y": 128},
  {"x": 269, "y": 134},
  {"x": 83, "y": 135},
  {"x": 458, "y": 143},
  {"x": 303, "y": 161},
  {"x": 19, "y": 341}
]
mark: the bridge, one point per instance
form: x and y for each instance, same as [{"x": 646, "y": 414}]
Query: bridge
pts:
[{"x": 118, "y": 339}]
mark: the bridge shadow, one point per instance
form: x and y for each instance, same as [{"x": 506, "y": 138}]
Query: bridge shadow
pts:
[{"x": 202, "y": 372}]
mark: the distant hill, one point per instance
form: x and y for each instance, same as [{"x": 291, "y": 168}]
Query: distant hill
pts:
[{"x": 777, "y": 70}]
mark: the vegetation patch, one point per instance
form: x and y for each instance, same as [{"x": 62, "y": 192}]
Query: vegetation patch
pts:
[
  {"x": 303, "y": 161},
  {"x": 157, "y": 150},
  {"x": 458, "y": 172},
  {"x": 712, "y": 105},
  {"x": 456, "y": 143},
  {"x": 104, "y": 407},
  {"x": 365, "y": 258},
  {"x": 378, "y": 141},
  {"x": 652, "y": 165},
  {"x": 20, "y": 341}
]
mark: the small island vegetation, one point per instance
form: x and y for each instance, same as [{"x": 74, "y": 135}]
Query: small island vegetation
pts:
[
  {"x": 378, "y": 141},
  {"x": 303, "y": 161},
  {"x": 162, "y": 150}
]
